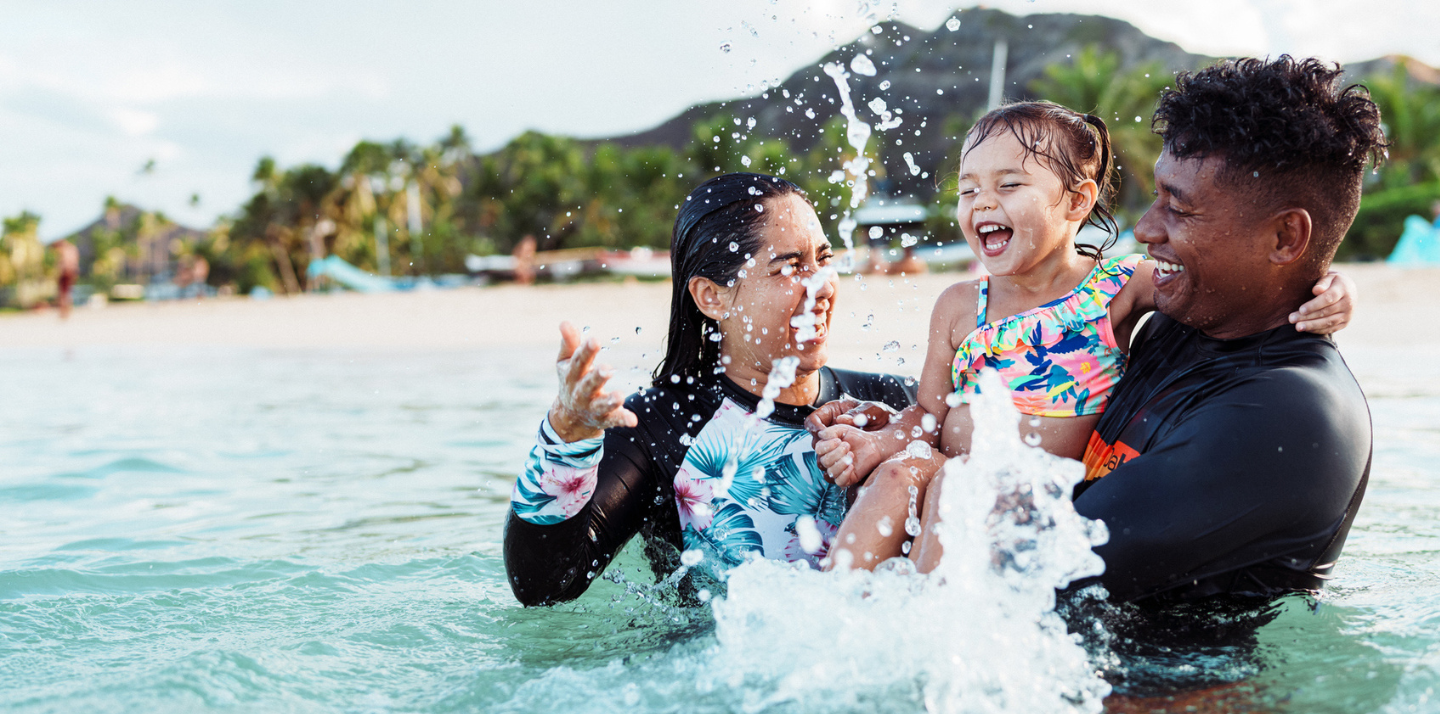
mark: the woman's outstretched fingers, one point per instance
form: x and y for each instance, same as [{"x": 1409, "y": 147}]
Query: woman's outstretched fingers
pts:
[{"x": 569, "y": 340}]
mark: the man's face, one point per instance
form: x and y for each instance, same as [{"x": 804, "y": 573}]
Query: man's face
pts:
[{"x": 1213, "y": 259}]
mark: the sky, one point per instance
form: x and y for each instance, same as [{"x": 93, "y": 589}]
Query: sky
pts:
[{"x": 93, "y": 91}]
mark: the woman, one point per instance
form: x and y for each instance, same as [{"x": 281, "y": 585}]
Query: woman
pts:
[{"x": 685, "y": 462}]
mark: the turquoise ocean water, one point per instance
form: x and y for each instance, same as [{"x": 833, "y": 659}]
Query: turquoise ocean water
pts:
[{"x": 222, "y": 530}]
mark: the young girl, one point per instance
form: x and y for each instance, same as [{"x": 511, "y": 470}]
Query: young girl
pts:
[{"x": 1054, "y": 319}]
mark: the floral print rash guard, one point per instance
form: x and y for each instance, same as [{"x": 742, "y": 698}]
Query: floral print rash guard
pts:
[{"x": 699, "y": 472}]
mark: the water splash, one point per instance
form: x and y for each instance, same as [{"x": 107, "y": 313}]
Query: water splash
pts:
[
  {"x": 782, "y": 375},
  {"x": 857, "y": 134},
  {"x": 977, "y": 635}
]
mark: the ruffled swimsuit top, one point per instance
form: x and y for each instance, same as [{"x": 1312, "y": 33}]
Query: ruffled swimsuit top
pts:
[{"x": 1059, "y": 359}]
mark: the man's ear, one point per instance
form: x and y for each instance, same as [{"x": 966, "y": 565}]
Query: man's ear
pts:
[
  {"x": 1290, "y": 230},
  {"x": 1082, "y": 200},
  {"x": 708, "y": 296}
]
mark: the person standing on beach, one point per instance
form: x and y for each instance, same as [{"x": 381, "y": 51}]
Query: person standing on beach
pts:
[{"x": 69, "y": 264}]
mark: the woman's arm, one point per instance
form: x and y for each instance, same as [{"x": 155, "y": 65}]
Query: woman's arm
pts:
[{"x": 578, "y": 500}]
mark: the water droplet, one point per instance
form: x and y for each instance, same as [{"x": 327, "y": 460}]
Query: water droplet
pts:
[
  {"x": 892, "y": 345},
  {"x": 885, "y": 85},
  {"x": 637, "y": 330},
  {"x": 876, "y": 232},
  {"x": 877, "y": 105},
  {"x": 862, "y": 65},
  {"x": 734, "y": 246},
  {"x": 725, "y": 47},
  {"x": 745, "y": 161},
  {"x": 759, "y": 208},
  {"x": 692, "y": 557},
  {"x": 1032, "y": 439},
  {"x": 952, "y": 24}
]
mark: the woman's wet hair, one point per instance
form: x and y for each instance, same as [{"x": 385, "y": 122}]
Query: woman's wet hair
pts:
[
  {"x": 1075, "y": 146},
  {"x": 1289, "y": 133},
  {"x": 716, "y": 231}
]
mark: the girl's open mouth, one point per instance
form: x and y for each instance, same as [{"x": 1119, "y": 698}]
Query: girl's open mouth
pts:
[{"x": 994, "y": 237}]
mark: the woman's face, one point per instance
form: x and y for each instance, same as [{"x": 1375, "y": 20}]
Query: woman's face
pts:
[{"x": 759, "y": 325}]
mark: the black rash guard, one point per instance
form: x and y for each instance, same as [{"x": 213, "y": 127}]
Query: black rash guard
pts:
[
  {"x": 1226, "y": 466},
  {"x": 576, "y": 505}
]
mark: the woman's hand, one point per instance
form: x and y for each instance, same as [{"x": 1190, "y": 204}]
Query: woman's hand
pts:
[
  {"x": 583, "y": 410},
  {"x": 868, "y": 416},
  {"x": 1332, "y": 307}
]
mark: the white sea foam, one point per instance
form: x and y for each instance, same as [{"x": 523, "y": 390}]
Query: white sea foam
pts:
[{"x": 978, "y": 635}]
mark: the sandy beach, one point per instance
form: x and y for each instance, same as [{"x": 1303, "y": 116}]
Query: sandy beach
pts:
[{"x": 1393, "y": 306}]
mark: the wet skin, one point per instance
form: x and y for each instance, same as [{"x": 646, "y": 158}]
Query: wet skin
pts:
[
  {"x": 756, "y": 314},
  {"x": 1239, "y": 268}
]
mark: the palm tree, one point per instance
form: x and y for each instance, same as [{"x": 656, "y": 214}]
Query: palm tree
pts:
[
  {"x": 1094, "y": 82},
  {"x": 1410, "y": 114}
]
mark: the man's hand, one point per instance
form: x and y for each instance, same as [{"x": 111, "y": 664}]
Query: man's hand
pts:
[
  {"x": 583, "y": 410},
  {"x": 1332, "y": 308}
]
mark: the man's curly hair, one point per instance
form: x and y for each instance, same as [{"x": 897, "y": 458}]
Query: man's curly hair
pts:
[{"x": 1289, "y": 136}]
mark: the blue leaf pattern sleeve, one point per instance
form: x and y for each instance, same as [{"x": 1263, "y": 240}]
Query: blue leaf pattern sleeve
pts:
[{"x": 559, "y": 478}]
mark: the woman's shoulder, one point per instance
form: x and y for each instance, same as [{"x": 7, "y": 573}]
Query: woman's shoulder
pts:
[{"x": 893, "y": 390}]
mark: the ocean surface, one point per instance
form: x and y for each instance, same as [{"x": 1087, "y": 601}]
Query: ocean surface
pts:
[{"x": 209, "y": 529}]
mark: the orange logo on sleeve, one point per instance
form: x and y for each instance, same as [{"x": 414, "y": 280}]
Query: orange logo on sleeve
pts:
[{"x": 1102, "y": 458}]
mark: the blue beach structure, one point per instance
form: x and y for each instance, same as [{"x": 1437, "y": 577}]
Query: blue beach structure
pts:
[{"x": 1419, "y": 245}]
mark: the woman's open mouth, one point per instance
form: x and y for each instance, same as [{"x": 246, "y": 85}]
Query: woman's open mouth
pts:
[
  {"x": 811, "y": 326},
  {"x": 994, "y": 238}
]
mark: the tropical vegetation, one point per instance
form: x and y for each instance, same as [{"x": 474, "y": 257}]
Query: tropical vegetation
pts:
[{"x": 419, "y": 209}]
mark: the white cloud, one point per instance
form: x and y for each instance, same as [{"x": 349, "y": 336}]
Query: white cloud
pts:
[{"x": 134, "y": 122}]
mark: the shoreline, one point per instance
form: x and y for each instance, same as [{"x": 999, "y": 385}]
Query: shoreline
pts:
[{"x": 1392, "y": 303}]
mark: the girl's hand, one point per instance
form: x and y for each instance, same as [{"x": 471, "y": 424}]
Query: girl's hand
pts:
[
  {"x": 848, "y": 454},
  {"x": 1332, "y": 308},
  {"x": 583, "y": 410}
]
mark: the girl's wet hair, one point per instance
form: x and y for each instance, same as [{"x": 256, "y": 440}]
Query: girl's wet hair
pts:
[
  {"x": 1075, "y": 146},
  {"x": 716, "y": 231}
]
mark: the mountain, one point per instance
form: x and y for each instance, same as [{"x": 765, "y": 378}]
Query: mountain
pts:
[{"x": 915, "y": 63}]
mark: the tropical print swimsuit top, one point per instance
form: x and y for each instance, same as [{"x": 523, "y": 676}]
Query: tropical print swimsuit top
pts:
[
  {"x": 703, "y": 468},
  {"x": 1059, "y": 359}
]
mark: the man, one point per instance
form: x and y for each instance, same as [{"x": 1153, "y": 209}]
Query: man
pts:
[{"x": 1236, "y": 450}]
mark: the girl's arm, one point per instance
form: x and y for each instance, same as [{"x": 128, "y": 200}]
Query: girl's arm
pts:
[
  {"x": 1332, "y": 308},
  {"x": 1329, "y": 312},
  {"x": 848, "y": 454}
]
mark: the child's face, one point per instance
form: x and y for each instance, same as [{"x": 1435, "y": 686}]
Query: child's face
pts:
[{"x": 1012, "y": 208}]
